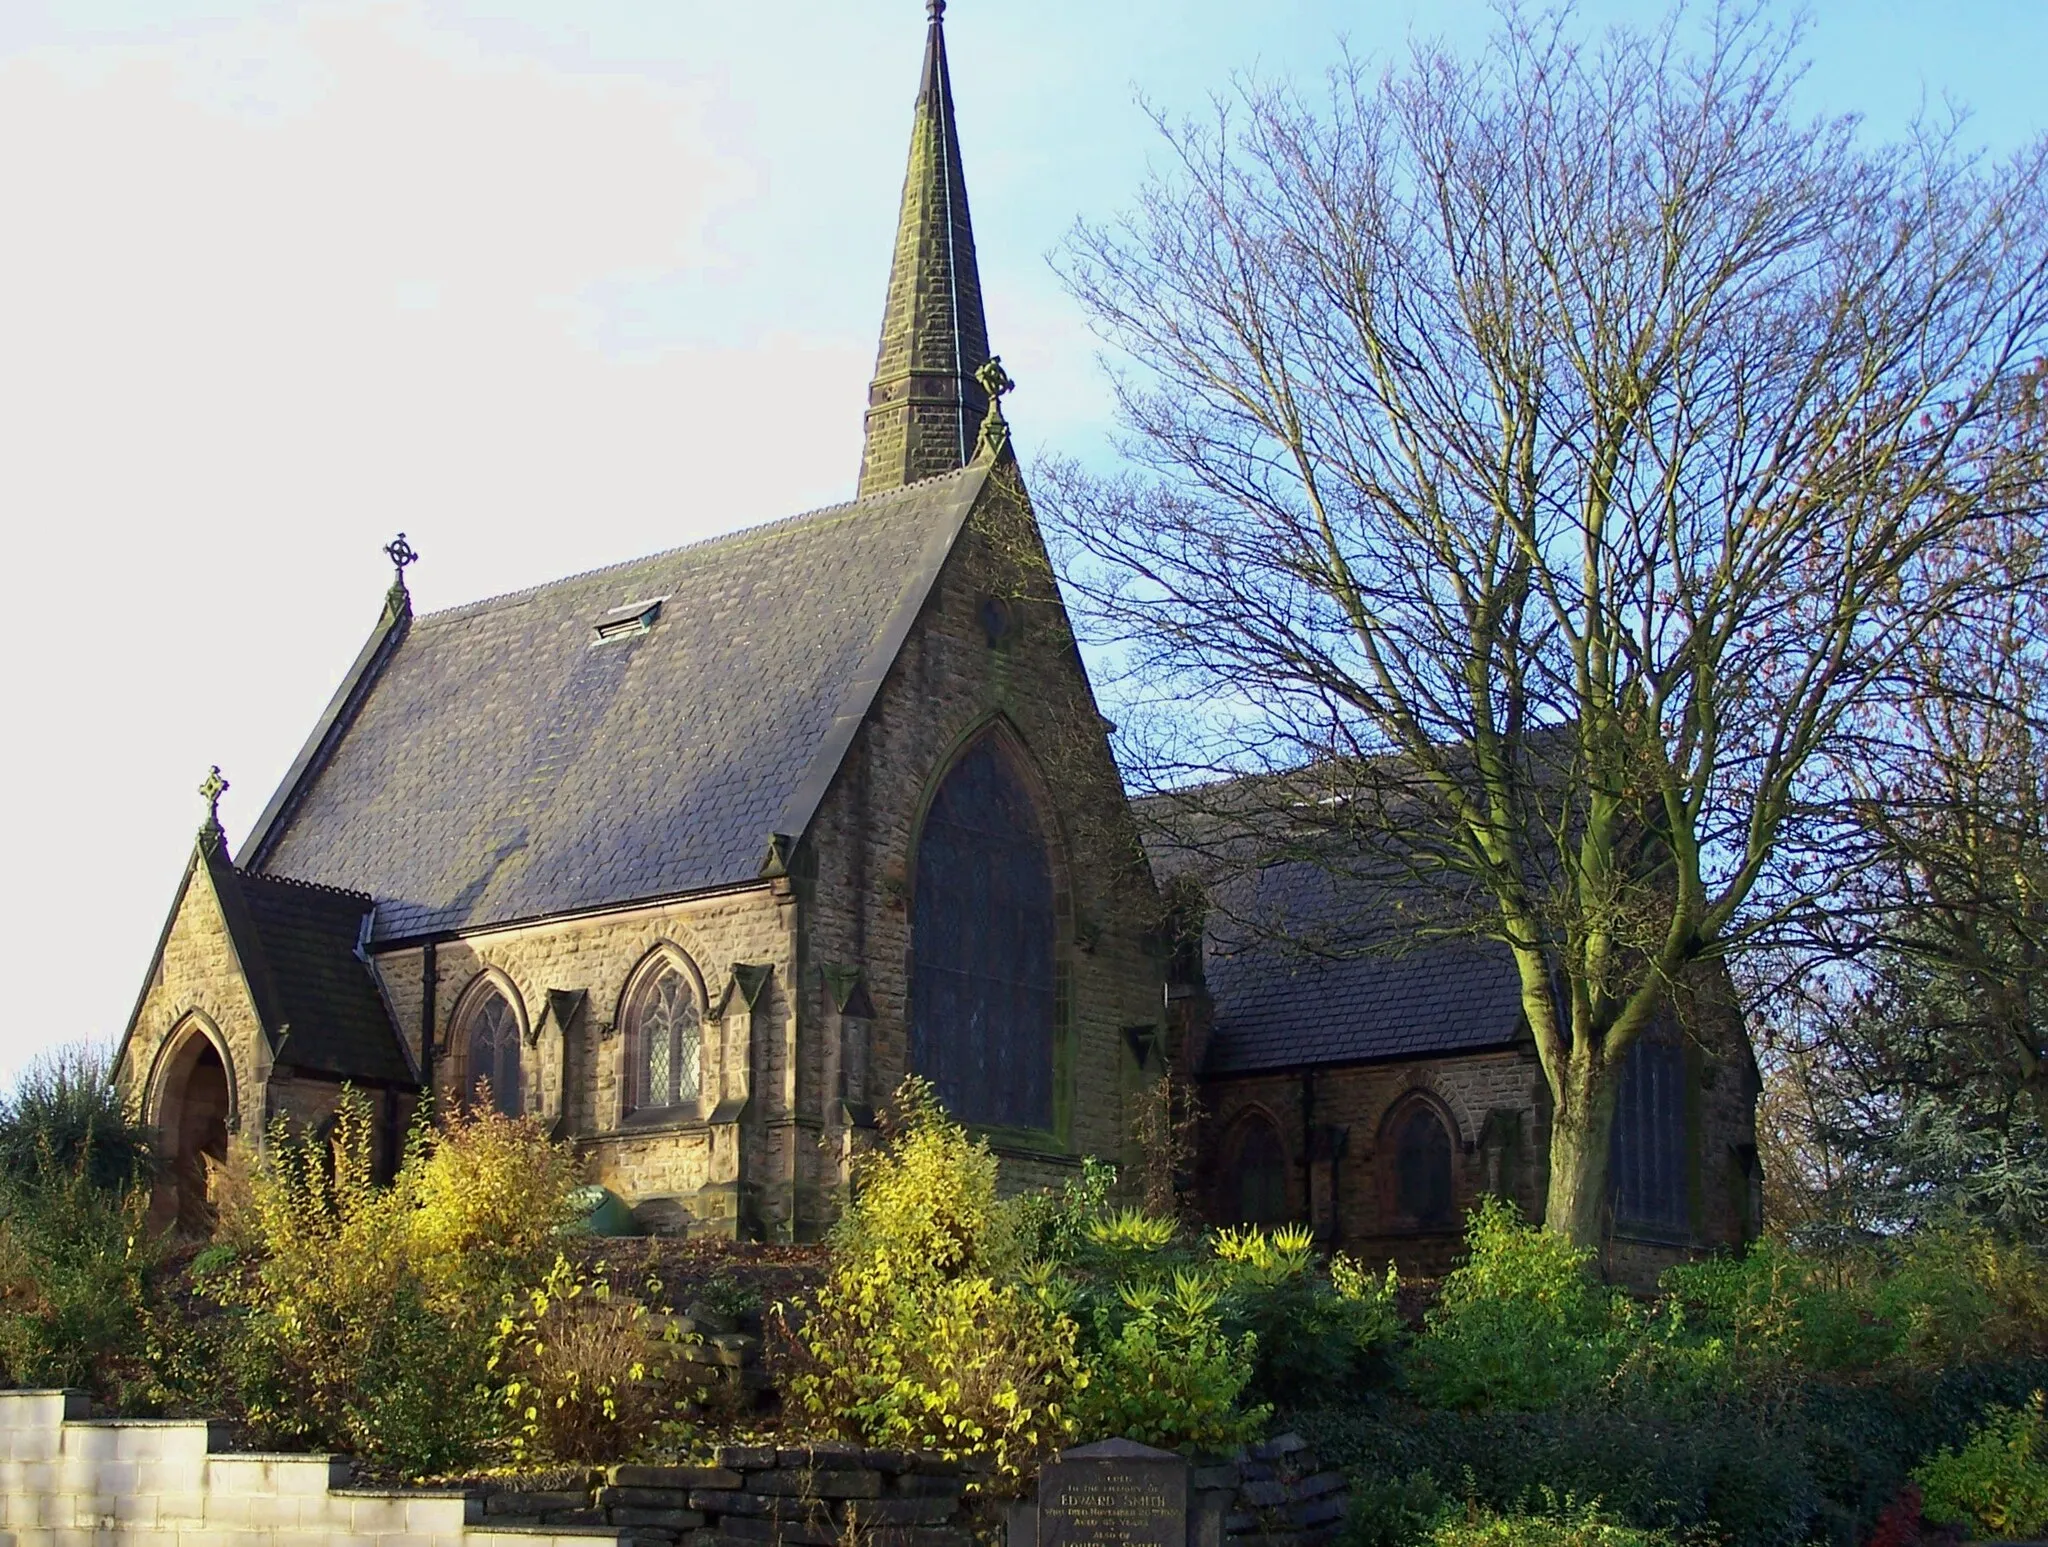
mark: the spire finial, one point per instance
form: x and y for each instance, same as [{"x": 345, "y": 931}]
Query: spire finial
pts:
[
  {"x": 212, "y": 836},
  {"x": 935, "y": 9}
]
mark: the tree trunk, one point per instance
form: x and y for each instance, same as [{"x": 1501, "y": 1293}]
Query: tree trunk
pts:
[{"x": 1581, "y": 1129}]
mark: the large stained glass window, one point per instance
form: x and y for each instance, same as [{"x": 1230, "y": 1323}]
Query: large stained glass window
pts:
[
  {"x": 664, "y": 1039},
  {"x": 982, "y": 942},
  {"x": 492, "y": 1057},
  {"x": 1647, "y": 1158}
]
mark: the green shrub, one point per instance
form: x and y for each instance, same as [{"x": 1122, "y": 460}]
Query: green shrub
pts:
[
  {"x": 1997, "y": 1483},
  {"x": 64, "y": 1115},
  {"x": 1311, "y": 1334},
  {"x": 1521, "y": 1322},
  {"x": 1162, "y": 1370},
  {"x": 1733, "y": 1473},
  {"x": 1562, "y": 1522},
  {"x": 926, "y": 1333},
  {"x": 589, "y": 1375},
  {"x": 1938, "y": 1298},
  {"x": 371, "y": 1314},
  {"x": 75, "y": 1260}
]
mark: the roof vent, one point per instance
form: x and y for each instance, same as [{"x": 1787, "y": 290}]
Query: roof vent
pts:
[{"x": 633, "y": 618}]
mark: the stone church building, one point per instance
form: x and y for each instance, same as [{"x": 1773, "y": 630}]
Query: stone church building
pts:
[{"x": 694, "y": 857}]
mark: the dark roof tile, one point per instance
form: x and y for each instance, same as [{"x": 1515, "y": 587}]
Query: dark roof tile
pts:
[{"x": 505, "y": 766}]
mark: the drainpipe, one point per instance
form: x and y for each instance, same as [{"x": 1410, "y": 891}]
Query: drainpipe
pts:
[
  {"x": 427, "y": 976},
  {"x": 1308, "y": 1146}
]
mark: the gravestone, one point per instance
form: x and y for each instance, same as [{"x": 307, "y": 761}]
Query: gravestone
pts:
[{"x": 1116, "y": 1493}]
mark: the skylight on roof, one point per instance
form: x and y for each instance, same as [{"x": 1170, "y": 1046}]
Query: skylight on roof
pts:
[{"x": 630, "y": 619}]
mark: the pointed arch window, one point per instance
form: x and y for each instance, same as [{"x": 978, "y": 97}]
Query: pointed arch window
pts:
[
  {"x": 1421, "y": 1194},
  {"x": 1648, "y": 1174},
  {"x": 1260, "y": 1173},
  {"x": 983, "y": 932},
  {"x": 491, "y": 1053},
  {"x": 665, "y": 1039}
]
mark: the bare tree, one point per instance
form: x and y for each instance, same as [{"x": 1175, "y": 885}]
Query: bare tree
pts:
[{"x": 1542, "y": 455}]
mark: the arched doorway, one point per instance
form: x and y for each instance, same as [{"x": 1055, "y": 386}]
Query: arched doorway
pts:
[{"x": 195, "y": 1103}]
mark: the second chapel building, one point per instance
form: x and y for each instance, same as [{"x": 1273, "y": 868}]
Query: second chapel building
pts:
[{"x": 695, "y": 857}]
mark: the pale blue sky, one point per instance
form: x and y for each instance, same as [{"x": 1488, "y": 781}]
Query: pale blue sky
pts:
[{"x": 546, "y": 285}]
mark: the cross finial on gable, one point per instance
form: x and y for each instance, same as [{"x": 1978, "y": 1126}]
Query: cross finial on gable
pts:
[
  {"x": 995, "y": 429},
  {"x": 401, "y": 554},
  {"x": 212, "y": 836}
]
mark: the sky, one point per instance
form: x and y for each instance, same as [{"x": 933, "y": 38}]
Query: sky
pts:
[{"x": 545, "y": 284}]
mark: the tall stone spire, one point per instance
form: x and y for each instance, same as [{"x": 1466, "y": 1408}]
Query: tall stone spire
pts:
[{"x": 925, "y": 406}]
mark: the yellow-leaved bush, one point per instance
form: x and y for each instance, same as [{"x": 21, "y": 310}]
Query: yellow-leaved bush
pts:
[
  {"x": 927, "y": 1333},
  {"x": 590, "y": 1374},
  {"x": 370, "y": 1313}
]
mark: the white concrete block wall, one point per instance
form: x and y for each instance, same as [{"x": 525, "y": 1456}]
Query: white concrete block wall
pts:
[{"x": 69, "y": 1480}]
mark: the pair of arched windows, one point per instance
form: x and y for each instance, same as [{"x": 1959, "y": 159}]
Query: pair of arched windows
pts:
[
  {"x": 663, "y": 1022},
  {"x": 1417, "y": 1187},
  {"x": 984, "y": 932}
]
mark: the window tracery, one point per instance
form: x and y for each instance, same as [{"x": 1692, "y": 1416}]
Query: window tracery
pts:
[
  {"x": 491, "y": 1059},
  {"x": 983, "y": 932},
  {"x": 665, "y": 1040},
  {"x": 1647, "y": 1167}
]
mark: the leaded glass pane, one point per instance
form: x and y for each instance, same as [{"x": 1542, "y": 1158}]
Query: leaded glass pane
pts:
[
  {"x": 982, "y": 991},
  {"x": 668, "y": 1041},
  {"x": 1261, "y": 1176},
  {"x": 494, "y": 1054},
  {"x": 1647, "y": 1157},
  {"x": 1422, "y": 1170}
]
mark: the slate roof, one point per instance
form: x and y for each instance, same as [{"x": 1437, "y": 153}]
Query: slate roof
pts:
[
  {"x": 1304, "y": 969},
  {"x": 504, "y": 764},
  {"x": 315, "y": 996}
]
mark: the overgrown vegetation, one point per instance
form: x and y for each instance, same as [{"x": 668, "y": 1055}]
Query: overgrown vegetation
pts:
[
  {"x": 960, "y": 1320},
  {"x": 1763, "y": 1400},
  {"x": 426, "y": 1324},
  {"x": 435, "y": 1323}
]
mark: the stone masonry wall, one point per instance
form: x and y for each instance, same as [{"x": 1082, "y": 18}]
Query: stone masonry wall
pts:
[
  {"x": 950, "y": 683},
  {"x": 1345, "y": 1202},
  {"x": 706, "y": 1171},
  {"x": 198, "y": 980},
  {"x": 811, "y": 1495},
  {"x": 69, "y": 1481},
  {"x": 1330, "y": 1123}
]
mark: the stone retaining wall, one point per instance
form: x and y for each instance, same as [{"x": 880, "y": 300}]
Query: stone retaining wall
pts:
[
  {"x": 1272, "y": 1493},
  {"x": 812, "y": 1496},
  {"x": 68, "y": 1480}
]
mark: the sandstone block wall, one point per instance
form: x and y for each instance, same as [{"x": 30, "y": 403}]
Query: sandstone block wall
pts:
[
  {"x": 198, "y": 988},
  {"x": 810, "y": 1496},
  {"x": 1332, "y": 1123},
  {"x": 708, "y": 1170},
  {"x": 70, "y": 1481},
  {"x": 949, "y": 684},
  {"x": 1341, "y": 1190}
]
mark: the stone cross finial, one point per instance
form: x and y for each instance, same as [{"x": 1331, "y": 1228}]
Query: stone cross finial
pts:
[
  {"x": 212, "y": 836},
  {"x": 996, "y": 382},
  {"x": 401, "y": 554}
]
